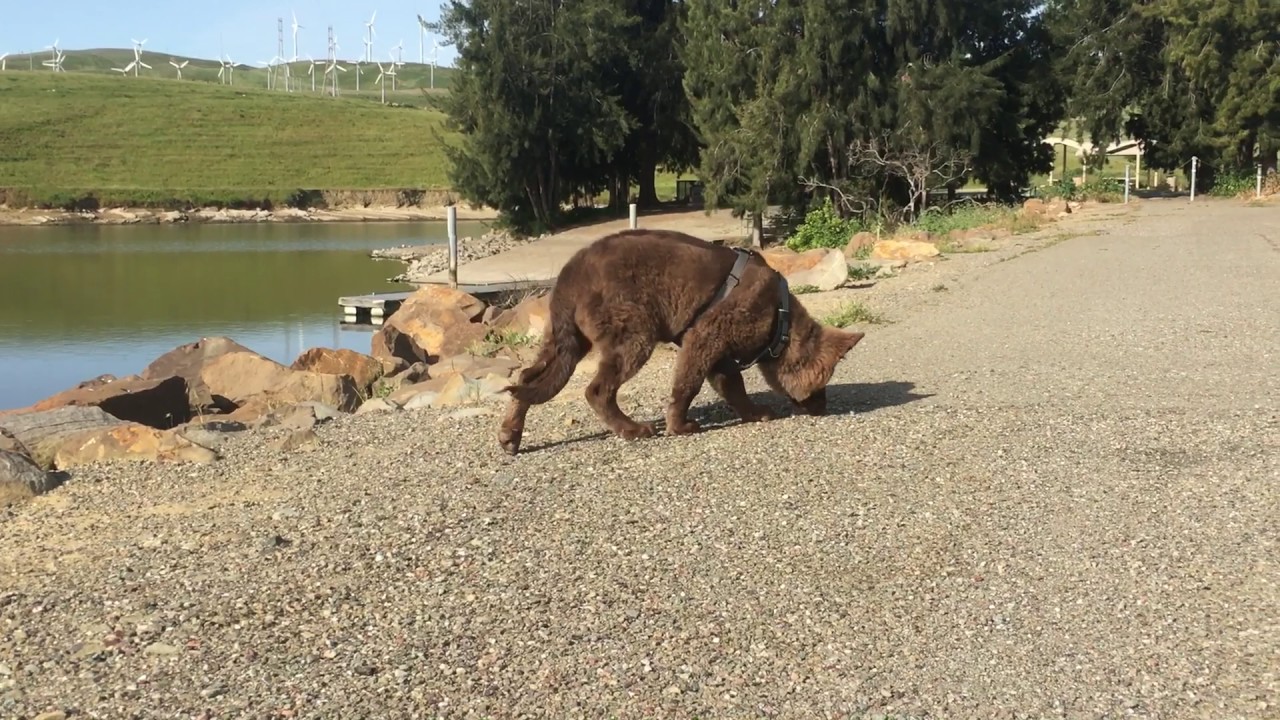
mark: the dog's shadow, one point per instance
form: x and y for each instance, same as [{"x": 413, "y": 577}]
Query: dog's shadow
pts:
[{"x": 716, "y": 414}]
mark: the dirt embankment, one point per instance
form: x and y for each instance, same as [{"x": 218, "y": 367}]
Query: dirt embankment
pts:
[{"x": 19, "y": 208}]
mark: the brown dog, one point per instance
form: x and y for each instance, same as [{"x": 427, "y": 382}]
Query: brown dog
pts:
[{"x": 725, "y": 308}]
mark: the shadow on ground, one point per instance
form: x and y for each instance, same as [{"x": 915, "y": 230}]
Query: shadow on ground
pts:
[{"x": 715, "y": 415}]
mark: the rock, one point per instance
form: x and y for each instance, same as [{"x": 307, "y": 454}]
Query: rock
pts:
[
  {"x": 424, "y": 399},
  {"x": 474, "y": 366},
  {"x": 21, "y": 478},
  {"x": 129, "y": 441},
  {"x": 188, "y": 361},
  {"x": 304, "y": 439},
  {"x": 376, "y": 405},
  {"x": 239, "y": 377},
  {"x": 158, "y": 403},
  {"x": 1033, "y": 206},
  {"x": 302, "y": 416},
  {"x": 818, "y": 267},
  {"x": 364, "y": 369},
  {"x": 828, "y": 274},
  {"x": 433, "y": 322},
  {"x": 531, "y": 316},
  {"x": 212, "y": 434},
  {"x": 908, "y": 250},
  {"x": 40, "y": 432},
  {"x": 12, "y": 444},
  {"x": 860, "y": 243}
]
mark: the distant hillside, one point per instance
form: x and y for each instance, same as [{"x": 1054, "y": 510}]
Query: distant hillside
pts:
[
  {"x": 411, "y": 79},
  {"x": 152, "y": 141}
]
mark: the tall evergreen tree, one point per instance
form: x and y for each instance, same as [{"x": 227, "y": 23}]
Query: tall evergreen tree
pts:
[{"x": 1187, "y": 77}]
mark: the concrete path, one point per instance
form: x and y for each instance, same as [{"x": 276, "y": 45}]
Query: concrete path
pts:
[{"x": 539, "y": 262}]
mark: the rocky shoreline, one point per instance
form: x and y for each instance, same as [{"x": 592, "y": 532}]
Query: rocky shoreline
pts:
[
  {"x": 441, "y": 348},
  {"x": 426, "y": 260},
  {"x": 144, "y": 216}
]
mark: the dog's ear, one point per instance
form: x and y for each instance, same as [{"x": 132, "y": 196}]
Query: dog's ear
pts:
[{"x": 842, "y": 342}]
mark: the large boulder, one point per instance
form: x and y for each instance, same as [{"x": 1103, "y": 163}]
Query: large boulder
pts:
[
  {"x": 158, "y": 403},
  {"x": 531, "y": 316},
  {"x": 860, "y": 244},
  {"x": 906, "y": 250},
  {"x": 188, "y": 361},
  {"x": 433, "y": 322},
  {"x": 73, "y": 435},
  {"x": 241, "y": 377},
  {"x": 21, "y": 479},
  {"x": 823, "y": 268},
  {"x": 365, "y": 370}
]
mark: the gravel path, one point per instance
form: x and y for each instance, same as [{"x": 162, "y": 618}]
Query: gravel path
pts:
[{"x": 1052, "y": 494}]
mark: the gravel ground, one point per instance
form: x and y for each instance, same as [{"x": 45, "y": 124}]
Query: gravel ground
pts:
[{"x": 1050, "y": 492}]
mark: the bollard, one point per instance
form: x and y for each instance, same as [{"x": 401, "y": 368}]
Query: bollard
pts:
[
  {"x": 1195, "y": 161},
  {"x": 634, "y": 220},
  {"x": 1258, "y": 190},
  {"x": 1126, "y": 183},
  {"x": 453, "y": 245}
]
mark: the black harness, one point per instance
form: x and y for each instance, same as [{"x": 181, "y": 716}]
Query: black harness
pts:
[{"x": 782, "y": 321}]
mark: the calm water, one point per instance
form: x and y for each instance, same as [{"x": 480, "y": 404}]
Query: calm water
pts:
[{"x": 77, "y": 302}]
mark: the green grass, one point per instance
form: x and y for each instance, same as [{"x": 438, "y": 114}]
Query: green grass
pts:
[
  {"x": 852, "y": 313},
  {"x": 151, "y": 141}
]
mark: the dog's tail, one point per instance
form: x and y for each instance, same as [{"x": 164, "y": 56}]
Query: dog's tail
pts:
[{"x": 562, "y": 348}]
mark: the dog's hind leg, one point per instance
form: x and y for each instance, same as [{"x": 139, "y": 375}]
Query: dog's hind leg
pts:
[
  {"x": 620, "y": 359},
  {"x": 727, "y": 382}
]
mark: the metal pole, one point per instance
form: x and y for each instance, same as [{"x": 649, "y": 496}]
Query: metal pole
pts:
[
  {"x": 453, "y": 245},
  {"x": 634, "y": 220},
  {"x": 1126, "y": 183},
  {"x": 1258, "y": 190},
  {"x": 1195, "y": 161}
]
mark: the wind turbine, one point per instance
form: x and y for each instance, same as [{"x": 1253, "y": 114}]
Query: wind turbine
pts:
[
  {"x": 422, "y": 34},
  {"x": 55, "y": 64},
  {"x": 179, "y": 66},
  {"x": 4, "y": 64},
  {"x": 333, "y": 65},
  {"x": 137, "y": 57},
  {"x": 394, "y": 65},
  {"x": 124, "y": 71},
  {"x": 296, "y": 28},
  {"x": 382, "y": 73},
  {"x": 368, "y": 39},
  {"x": 356, "y": 64},
  {"x": 270, "y": 70},
  {"x": 226, "y": 67},
  {"x": 435, "y": 52},
  {"x": 311, "y": 70}
]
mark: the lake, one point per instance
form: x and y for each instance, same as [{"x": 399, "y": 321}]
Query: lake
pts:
[{"x": 80, "y": 301}]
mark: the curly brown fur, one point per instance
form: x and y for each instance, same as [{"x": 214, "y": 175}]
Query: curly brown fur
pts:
[{"x": 630, "y": 290}]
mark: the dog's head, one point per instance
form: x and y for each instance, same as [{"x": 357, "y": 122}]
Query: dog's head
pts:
[{"x": 805, "y": 368}]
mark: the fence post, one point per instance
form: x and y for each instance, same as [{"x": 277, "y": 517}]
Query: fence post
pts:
[
  {"x": 634, "y": 220},
  {"x": 1195, "y": 161},
  {"x": 1258, "y": 189},
  {"x": 1126, "y": 183},
  {"x": 452, "y": 225}
]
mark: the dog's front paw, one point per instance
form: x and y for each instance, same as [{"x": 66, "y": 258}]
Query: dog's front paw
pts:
[
  {"x": 509, "y": 439},
  {"x": 686, "y": 427},
  {"x": 637, "y": 431}
]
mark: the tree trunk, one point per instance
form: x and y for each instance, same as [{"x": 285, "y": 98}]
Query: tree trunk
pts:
[
  {"x": 648, "y": 182},
  {"x": 757, "y": 229},
  {"x": 1269, "y": 149}
]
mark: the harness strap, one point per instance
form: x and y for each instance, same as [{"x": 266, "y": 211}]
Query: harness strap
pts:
[{"x": 782, "y": 321}]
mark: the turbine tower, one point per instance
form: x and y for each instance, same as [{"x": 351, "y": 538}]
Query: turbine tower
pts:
[
  {"x": 368, "y": 38},
  {"x": 296, "y": 28}
]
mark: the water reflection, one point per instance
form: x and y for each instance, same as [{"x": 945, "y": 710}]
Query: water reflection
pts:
[{"x": 76, "y": 302}]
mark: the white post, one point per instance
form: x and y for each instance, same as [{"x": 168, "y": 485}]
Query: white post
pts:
[
  {"x": 1195, "y": 161},
  {"x": 1126, "y": 183},
  {"x": 453, "y": 245},
  {"x": 1258, "y": 183},
  {"x": 634, "y": 219}
]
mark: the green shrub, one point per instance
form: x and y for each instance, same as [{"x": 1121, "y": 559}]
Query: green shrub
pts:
[
  {"x": 823, "y": 228},
  {"x": 964, "y": 217},
  {"x": 1232, "y": 183}
]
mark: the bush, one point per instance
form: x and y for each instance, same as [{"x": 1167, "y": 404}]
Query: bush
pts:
[
  {"x": 823, "y": 228},
  {"x": 1233, "y": 183},
  {"x": 963, "y": 217}
]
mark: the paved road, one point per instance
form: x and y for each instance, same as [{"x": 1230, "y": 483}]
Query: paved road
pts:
[{"x": 1057, "y": 497}]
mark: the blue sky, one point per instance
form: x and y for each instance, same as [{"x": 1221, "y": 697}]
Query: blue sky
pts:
[{"x": 244, "y": 29}]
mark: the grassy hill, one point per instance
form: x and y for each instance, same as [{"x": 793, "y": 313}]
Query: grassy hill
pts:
[{"x": 157, "y": 141}]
